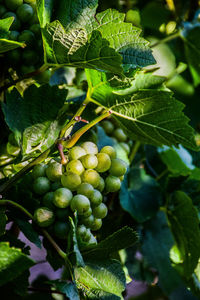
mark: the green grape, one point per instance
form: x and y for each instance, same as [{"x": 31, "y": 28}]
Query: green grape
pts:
[
  {"x": 109, "y": 150},
  {"x": 27, "y": 37},
  {"x": 35, "y": 28},
  {"x": 2, "y": 10},
  {"x": 61, "y": 229},
  {"x": 81, "y": 231},
  {"x": 25, "y": 12},
  {"x": 92, "y": 177},
  {"x": 29, "y": 57},
  {"x": 13, "y": 4},
  {"x": 75, "y": 166},
  {"x": 112, "y": 184},
  {"x": 89, "y": 161},
  {"x": 104, "y": 162},
  {"x": 126, "y": 147},
  {"x": 14, "y": 57},
  {"x": 62, "y": 197},
  {"x": 87, "y": 213},
  {"x": 39, "y": 171},
  {"x": 88, "y": 221},
  {"x": 54, "y": 171},
  {"x": 16, "y": 23},
  {"x": 100, "y": 211},
  {"x": 12, "y": 150},
  {"x": 88, "y": 235},
  {"x": 14, "y": 35},
  {"x": 62, "y": 213},
  {"x": 101, "y": 185},
  {"x": 96, "y": 225},
  {"x": 80, "y": 203},
  {"x": 47, "y": 200},
  {"x": 118, "y": 167},
  {"x": 96, "y": 198},
  {"x": 107, "y": 126},
  {"x": 41, "y": 185},
  {"x": 71, "y": 181},
  {"x": 55, "y": 185},
  {"x": 76, "y": 152},
  {"x": 44, "y": 216},
  {"x": 85, "y": 189},
  {"x": 120, "y": 135},
  {"x": 90, "y": 148}
]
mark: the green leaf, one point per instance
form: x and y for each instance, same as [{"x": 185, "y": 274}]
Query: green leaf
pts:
[
  {"x": 5, "y": 43},
  {"x": 3, "y": 220},
  {"x": 35, "y": 117},
  {"x": 44, "y": 10},
  {"x": 190, "y": 35},
  {"x": 74, "y": 49},
  {"x": 150, "y": 116},
  {"x": 29, "y": 232},
  {"x": 184, "y": 225},
  {"x": 73, "y": 245},
  {"x": 103, "y": 280},
  {"x": 12, "y": 263},
  {"x": 67, "y": 288},
  {"x": 140, "y": 195},
  {"x": 120, "y": 239}
]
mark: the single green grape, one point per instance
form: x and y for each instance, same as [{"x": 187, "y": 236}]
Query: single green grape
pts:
[
  {"x": 96, "y": 225},
  {"x": 101, "y": 185},
  {"x": 62, "y": 197},
  {"x": 29, "y": 57},
  {"x": 14, "y": 35},
  {"x": 13, "y": 4},
  {"x": 71, "y": 181},
  {"x": 87, "y": 213},
  {"x": 25, "y": 12},
  {"x": 126, "y": 147},
  {"x": 54, "y": 171},
  {"x": 61, "y": 229},
  {"x": 107, "y": 126},
  {"x": 47, "y": 200},
  {"x": 27, "y": 37},
  {"x": 75, "y": 166},
  {"x": 88, "y": 221},
  {"x": 120, "y": 135},
  {"x": 89, "y": 161},
  {"x": 35, "y": 28},
  {"x": 109, "y": 150},
  {"x": 80, "y": 203},
  {"x": 112, "y": 184},
  {"x": 118, "y": 167},
  {"x": 39, "y": 171},
  {"x": 41, "y": 185},
  {"x": 62, "y": 213},
  {"x": 81, "y": 231},
  {"x": 76, "y": 152},
  {"x": 104, "y": 162},
  {"x": 90, "y": 148},
  {"x": 100, "y": 211},
  {"x": 96, "y": 198},
  {"x": 92, "y": 177},
  {"x": 85, "y": 189},
  {"x": 44, "y": 216}
]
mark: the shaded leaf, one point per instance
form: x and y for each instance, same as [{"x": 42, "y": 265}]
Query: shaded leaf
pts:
[
  {"x": 73, "y": 247},
  {"x": 29, "y": 232},
  {"x": 67, "y": 288},
  {"x": 3, "y": 220},
  {"x": 12, "y": 263}
]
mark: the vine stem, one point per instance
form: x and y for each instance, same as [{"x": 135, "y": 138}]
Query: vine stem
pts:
[
  {"x": 167, "y": 39},
  {"x": 134, "y": 151}
]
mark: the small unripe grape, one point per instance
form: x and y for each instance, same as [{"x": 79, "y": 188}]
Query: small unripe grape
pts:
[
  {"x": 41, "y": 185},
  {"x": 13, "y": 4},
  {"x": 55, "y": 185},
  {"x": 47, "y": 200},
  {"x": 118, "y": 167},
  {"x": 44, "y": 216},
  {"x": 62, "y": 213},
  {"x": 61, "y": 229},
  {"x": 90, "y": 148},
  {"x": 92, "y": 177},
  {"x": 76, "y": 152},
  {"x": 81, "y": 231},
  {"x": 80, "y": 203},
  {"x": 112, "y": 184},
  {"x": 14, "y": 35},
  {"x": 85, "y": 189},
  {"x": 125, "y": 146},
  {"x": 87, "y": 213},
  {"x": 120, "y": 135},
  {"x": 62, "y": 197},
  {"x": 25, "y": 12},
  {"x": 75, "y": 166},
  {"x": 39, "y": 171},
  {"x": 104, "y": 162},
  {"x": 35, "y": 28},
  {"x": 71, "y": 181},
  {"x": 109, "y": 150},
  {"x": 54, "y": 171},
  {"x": 101, "y": 185},
  {"x": 96, "y": 225},
  {"x": 100, "y": 211},
  {"x": 88, "y": 221},
  {"x": 107, "y": 126},
  {"x": 96, "y": 198},
  {"x": 89, "y": 161},
  {"x": 27, "y": 37}
]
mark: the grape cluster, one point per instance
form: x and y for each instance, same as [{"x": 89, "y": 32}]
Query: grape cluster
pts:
[
  {"x": 25, "y": 28},
  {"x": 77, "y": 186}
]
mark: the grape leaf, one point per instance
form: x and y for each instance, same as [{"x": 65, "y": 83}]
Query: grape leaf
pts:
[
  {"x": 5, "y": 43},
  {"x": 12, "y": 263},
  {"x": 3, "y": 220},
  {"x": 150, "y": 116},
  {"x": 67, "y": 288},
  {"x": 29, "y": 232},
  {"x": 73, "y": 245},
  {"x": 184, "y": 225},
  {"x": 44, "y": 11},
  {"x": 101, "y": 279},
  {"x": 34, "y": 118}
]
